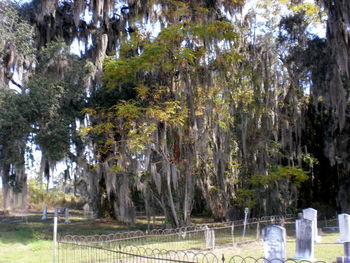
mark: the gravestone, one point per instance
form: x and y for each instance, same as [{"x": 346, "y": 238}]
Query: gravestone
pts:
[
  {"x": 274, "y": 244},
  {"x": 56, "y": 212},
  {"x": 66, "y": 216},
  {"x": 209, "y": 236},
  {"x": 346, "y": 257},
  {"x": 44, "y": 217},
  {"x": 87, "y": 212},
  {"x": 344, "y": 228},
  {"x": 311, "y": 214},
  {"x": 304, "y": 239}
]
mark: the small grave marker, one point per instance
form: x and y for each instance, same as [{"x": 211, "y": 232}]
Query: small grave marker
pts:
[
  {"x": 44, "y": 217},
  {"x": 66, "y": 216},
  {"x": 87, "y": 211},
  {"x": 209, "y": 236}
]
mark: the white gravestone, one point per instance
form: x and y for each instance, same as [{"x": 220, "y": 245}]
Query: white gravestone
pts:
[
  {"x": 304, "y": 239},
  {"x": 66, "y": 216},
  {"x": 274, "y": 244},
  {"x": 209, "y": 236},
  {"x": 344, "y": 228},
  {"x": 44, "y": 217},
  {"x": 311, "y": 214},
  {"x": 87, "y": 211}
]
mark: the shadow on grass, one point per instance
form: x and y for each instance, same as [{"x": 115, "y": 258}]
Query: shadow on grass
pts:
[{"x": 33, "y": 228}]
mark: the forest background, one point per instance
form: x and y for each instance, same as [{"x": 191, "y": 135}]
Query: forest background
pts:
[{"x": 177, "y": 107}]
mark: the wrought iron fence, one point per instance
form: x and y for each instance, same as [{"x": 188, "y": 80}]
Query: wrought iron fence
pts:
[
  {"x": 143, "y": 246},
  {"x": 196, "y": 237},
  {"x": 83, "y": 253}
]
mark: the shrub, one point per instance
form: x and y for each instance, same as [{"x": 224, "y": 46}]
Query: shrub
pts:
[{"x": 39, "y": 196}]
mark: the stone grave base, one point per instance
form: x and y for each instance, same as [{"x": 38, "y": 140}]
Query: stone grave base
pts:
[
  {"x": 343, "y": 260},
  {"x": 341, "y": 241},
  {"x": 331, "y": 228}
]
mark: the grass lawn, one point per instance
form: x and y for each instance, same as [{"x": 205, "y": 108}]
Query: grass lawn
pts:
[
  {"x": 32, "y": 242},
  {"x": 23, "y": 243},
  {"x": 327, "y": 250}
]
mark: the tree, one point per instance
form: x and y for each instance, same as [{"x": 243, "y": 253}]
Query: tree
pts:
[
  {"x": 213, "y": 109},
  {"x": 17, "y": 55}
]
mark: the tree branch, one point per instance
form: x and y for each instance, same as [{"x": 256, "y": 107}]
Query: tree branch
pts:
[{"x": 10, "y": 78}]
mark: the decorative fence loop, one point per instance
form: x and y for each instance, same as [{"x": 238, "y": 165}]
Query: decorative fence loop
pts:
[
  {"x": 81, "y": 253},
  {"x": 185, "y": 244}
]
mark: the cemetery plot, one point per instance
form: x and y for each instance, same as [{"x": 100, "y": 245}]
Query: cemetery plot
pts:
[
  {"x": 168, "y": 244},
  {"x": 230, "y": 240}
]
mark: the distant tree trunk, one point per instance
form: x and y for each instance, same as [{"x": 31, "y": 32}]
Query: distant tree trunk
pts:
[
  {"x": 336, "y": 103},
  {"x": 95, "y": 186},
  {"x": 24, "y": 193},
  {"x": 5, "y": 191}
]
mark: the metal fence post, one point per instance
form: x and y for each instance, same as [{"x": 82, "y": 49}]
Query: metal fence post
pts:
[
  {"x": 54, "y": 239},
  {"x": 233, "y": 233},
  {"x": 246, "y": 210}
]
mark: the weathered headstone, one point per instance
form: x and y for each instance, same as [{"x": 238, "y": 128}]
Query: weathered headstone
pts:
[
  {"x": 274, "y": 244},
  {"x": 209, "y": 236},
  {"x": 304, "y": 239},
  {"x": 311, "y": 214},
  {"x": 87, "y": 212},
  {"x": 346, "y": 257},
  {"x": 344, "y": 227},
  {"x": 44, "y": 217},
  {"x": 66, "y": 216}
]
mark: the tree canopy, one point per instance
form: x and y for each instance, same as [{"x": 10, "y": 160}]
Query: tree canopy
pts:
[{"x": 179, "y": 107}]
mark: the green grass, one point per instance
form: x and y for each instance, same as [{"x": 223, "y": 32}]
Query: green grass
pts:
[
  {"x": 327, "y": 250},
  {"x": 32, "y": 242},
  {"x": 23, "y": 244}
]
